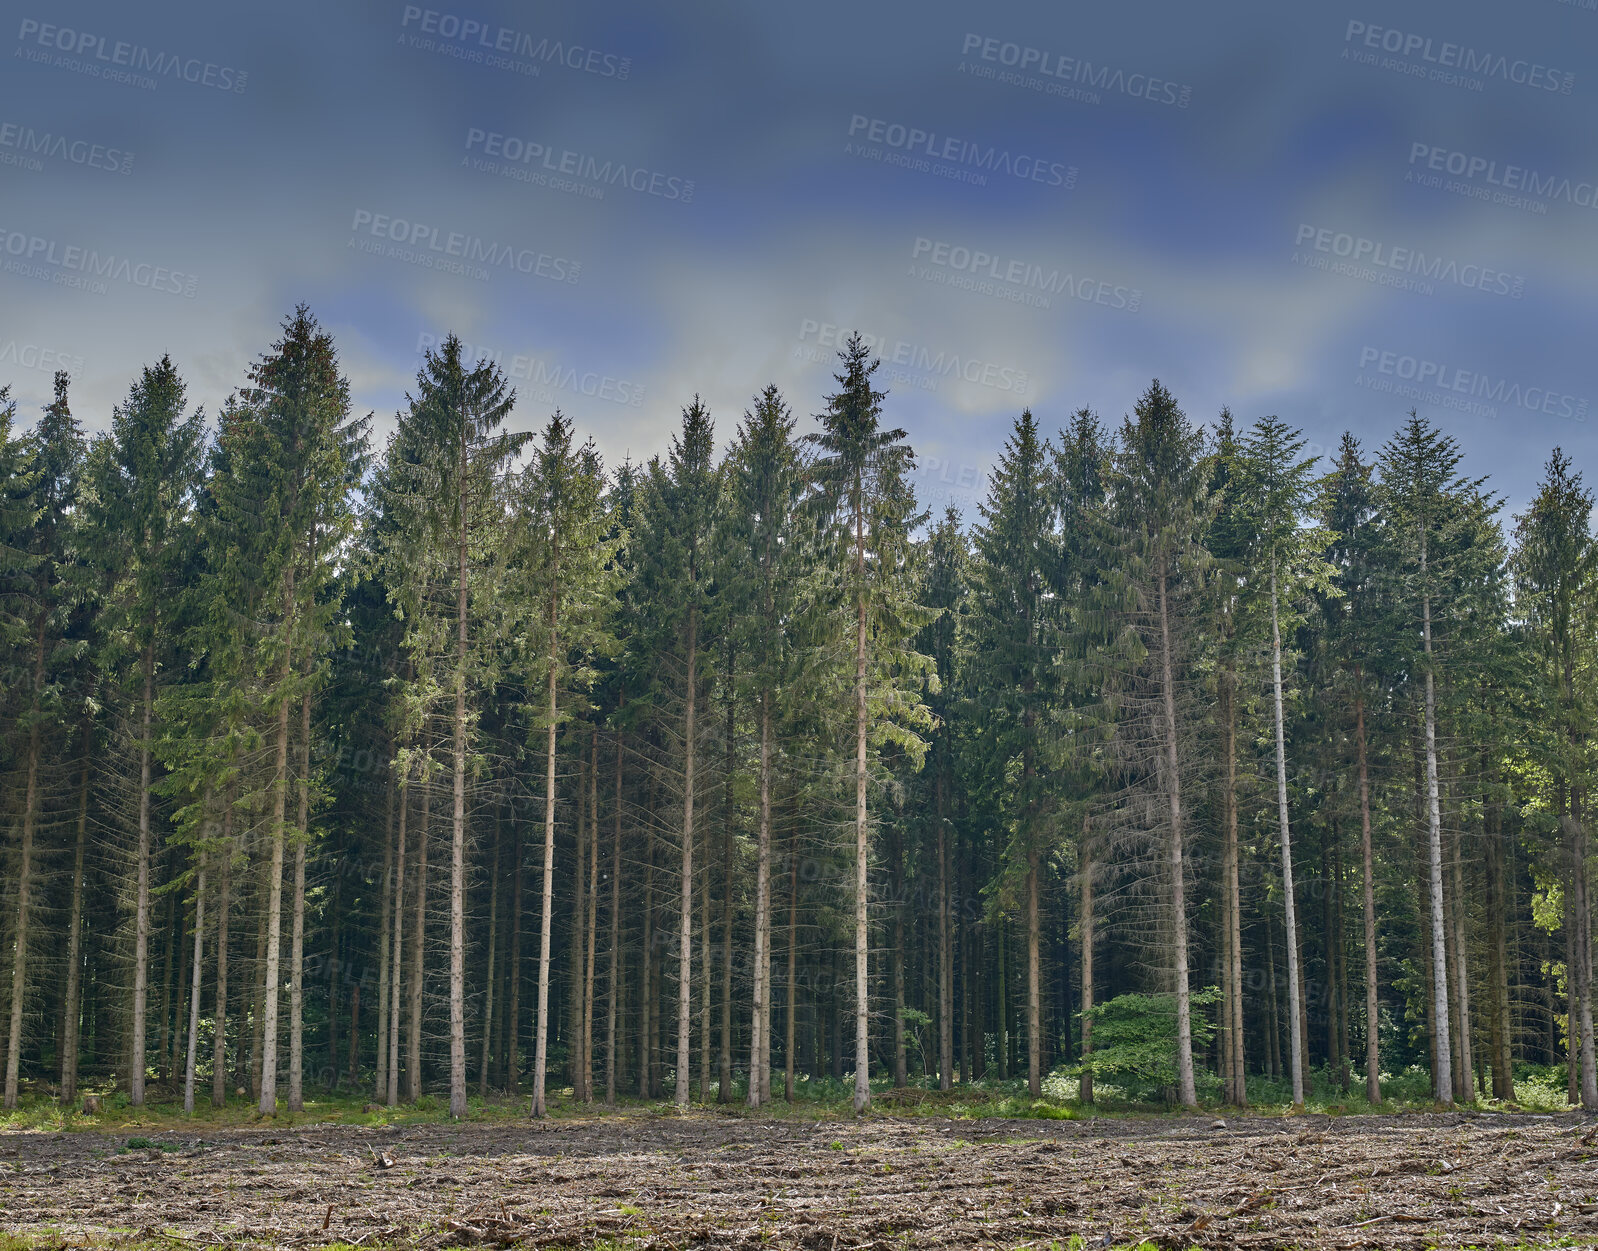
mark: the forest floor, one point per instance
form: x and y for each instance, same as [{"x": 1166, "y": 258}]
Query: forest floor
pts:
[{"x": 646, "y": 1180}]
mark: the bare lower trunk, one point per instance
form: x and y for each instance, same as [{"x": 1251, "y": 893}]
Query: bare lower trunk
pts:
[
  {"x": 686, "y": 930},
  {"x": 760, "y": 1017},
  {"x": 1235, "y": 1084},
  {"x": 541, "y": 1036},
  {"x": 1464, "y": 1072},
  {"x": 457, "y": 856},
  {"x": 611, "y": 1008},
  {"x": 397, "y": 960},
  {"x": 194, "y": 993},
  {"x": 945, "y": 945},
  {"x": 385, "y": 944},
  {"x": 19, "y": 959},
  {"x": 1186, "y": 1090},
  {"x": 591, "y": 924},
  {"x": 272, "y": 975},
  {"x": 224, "y": 908},
  {"x": 297, "y": 940},
  {"x": 1295, "y": 1023},
  {"x": 724, "y": 1060},
  {"x": 413, "y": 1067},
  {"x": 1373, "y": 1065},
  {"x": 1034, "y": 982},
  {"x": 1443, "y": 1078},
  {"x": 862, "y": 897},
  {"x": 1085, "y": 940},
  {"x": 73, "y": 1011},
  {"x": 488, "y": 979},
  {"x": 793, "y": 970},
  {"x": 513, "y": 1014},
  {"x": 141, "y": 923}
]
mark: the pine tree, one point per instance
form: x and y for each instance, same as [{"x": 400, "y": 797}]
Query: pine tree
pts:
[
  {"x": 1426, "y": 503},
  {"x": 40, "y": 491},
  {"x": 1556, "y": 563},
  {"x": 1014, "y": 620},
  {"x": 568, "y": 572},
  {"x": 856, "y": 481},
  {"x": 676, "y": 510},
  {"x": 764, "y": 536},
  {"x": 1353, "y": 620},
  {"x": 141, "y": 478},
  {"x": 1278, "y": 488}
]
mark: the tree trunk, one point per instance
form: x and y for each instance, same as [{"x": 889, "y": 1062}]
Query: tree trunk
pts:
[
  {"x": 397, "y": 962},
  {"x": 760, "y": 1019},
  {"x": 647, "y": 1004},
  {"x": 592, "y": 924},
  {"x": 297, "y": 939},
  {"x": 488, "y": 980},
  {"x": 1186, "y": 1090},
  {"x": 724, "y": 1061},
  {"x": 1373, "y": 1064},
  {"x": 862, "y": 937},
  {"x": 1034, "y": 980},
  {"x": 385, "y": 938},
  {"x": 73, "y": 1011},
  {"x": 1235, "y": 1087},
  {"x": 194, "y": 993},
  {"x": 272, "y": 975},
  {"x": 513, "y": 1014},
  {"x": 1443, "y": 1078},
  {"x": 1498, "y": 905},
  {"x": 541, "y": 1037},
  {"x": 457, "y": 856},
  {"x": 19, "y": 959},
  {"x": 141, "y": 924},
  {"x": 1295, "y": 1024},
  {"x": 1085, "y": 937},
  {"x": 900, "y": 1073},
  {"x": 793, "y": 970},
  {"x": 413, "y": 1075},
  {"x": 945, "y": 944},
  {"x": 224, "y": 908},
  {"x": 685, "y": 936},
  {"x": 612, "y": 1008},
  {"x": 1465, "y": 1078}
]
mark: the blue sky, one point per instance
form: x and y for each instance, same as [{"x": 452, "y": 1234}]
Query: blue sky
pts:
[{"x": 1329, "y": 212}]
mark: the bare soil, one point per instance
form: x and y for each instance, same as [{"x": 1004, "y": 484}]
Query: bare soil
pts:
[{"x": 705, "y": 1180}]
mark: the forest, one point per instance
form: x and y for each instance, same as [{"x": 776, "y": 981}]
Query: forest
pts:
[{"x": 471, "y": 766}]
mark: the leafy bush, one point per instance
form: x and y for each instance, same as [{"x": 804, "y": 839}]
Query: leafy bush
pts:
[{"x": 1134, "y": 1042}]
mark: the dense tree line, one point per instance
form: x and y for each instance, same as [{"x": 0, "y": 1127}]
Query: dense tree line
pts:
[{"x": 490, "y": 766}]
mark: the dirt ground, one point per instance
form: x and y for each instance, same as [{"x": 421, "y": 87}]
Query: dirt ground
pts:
[{"x": 703, "y": 1180}]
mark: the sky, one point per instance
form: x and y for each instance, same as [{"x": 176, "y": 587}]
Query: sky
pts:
[{"x": 1332, "y": 212}]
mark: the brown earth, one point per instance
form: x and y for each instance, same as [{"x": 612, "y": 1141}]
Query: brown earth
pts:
[{"x": 705, "y": 1180}]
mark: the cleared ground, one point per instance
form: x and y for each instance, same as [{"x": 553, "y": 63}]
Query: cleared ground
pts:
[{"x": 706, "y": 1180}]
